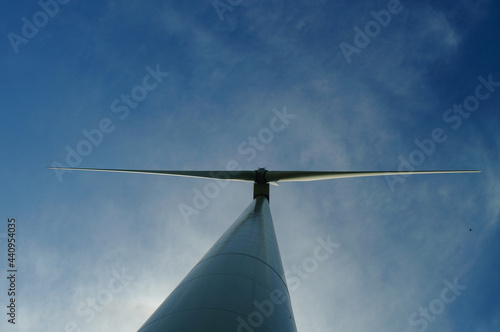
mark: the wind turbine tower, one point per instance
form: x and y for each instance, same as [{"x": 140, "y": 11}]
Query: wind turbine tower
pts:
[{"x": 239, "y": 284}]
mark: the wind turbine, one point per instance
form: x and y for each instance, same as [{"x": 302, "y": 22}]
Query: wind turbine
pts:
[{"x": 239, "y": 284}]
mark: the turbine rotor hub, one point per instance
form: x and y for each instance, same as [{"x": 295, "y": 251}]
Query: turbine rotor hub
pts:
[
  {"x": 260, "y": 175},
  {"x": 261, "y": 186}
]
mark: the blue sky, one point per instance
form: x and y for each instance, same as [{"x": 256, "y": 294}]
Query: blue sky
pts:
[{"x": 169, "y": 85}]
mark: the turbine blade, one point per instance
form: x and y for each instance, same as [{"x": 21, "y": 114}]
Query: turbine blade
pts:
[
  {"x": 221, "y": 175},
  {"x": 292, "y": 176},
  {"x": 270, "y": 176}
]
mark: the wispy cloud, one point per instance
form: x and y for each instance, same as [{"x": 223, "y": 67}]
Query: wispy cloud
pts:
[{"x": 225, "y": 79}]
